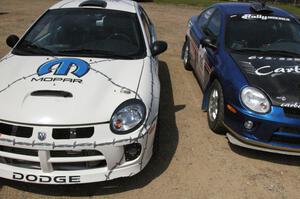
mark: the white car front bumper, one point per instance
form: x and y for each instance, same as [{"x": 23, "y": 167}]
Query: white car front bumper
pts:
[{"x": 71, "y": 161}]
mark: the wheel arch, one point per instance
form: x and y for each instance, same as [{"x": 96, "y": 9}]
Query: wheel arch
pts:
[{"x": 213, "y": 76}]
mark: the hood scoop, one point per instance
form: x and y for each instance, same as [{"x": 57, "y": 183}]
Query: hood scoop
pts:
[{"x": 51, "y": 93}]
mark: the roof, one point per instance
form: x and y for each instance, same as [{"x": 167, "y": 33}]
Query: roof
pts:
[
  {"x": 244, "y": 8},
  {"x": 122, "y": 5}
]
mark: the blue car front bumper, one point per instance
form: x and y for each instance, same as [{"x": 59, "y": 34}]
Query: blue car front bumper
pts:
[{"x": 278, "y": 131}]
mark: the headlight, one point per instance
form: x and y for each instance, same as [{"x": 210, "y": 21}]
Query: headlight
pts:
[
  {"x": 129, "y": 116},
  {"x": 255, "y": 100}
]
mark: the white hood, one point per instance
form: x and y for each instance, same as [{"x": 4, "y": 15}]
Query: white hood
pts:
[{"x": 95, "y": 95}]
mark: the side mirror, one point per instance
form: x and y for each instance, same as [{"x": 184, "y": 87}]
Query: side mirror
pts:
[
  {"x": 12, "y": 40},
  {"x": 158, "y": 47},
  {"x": 207, "y": 42}
]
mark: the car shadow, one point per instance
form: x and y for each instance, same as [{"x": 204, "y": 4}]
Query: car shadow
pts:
[
  {"x": 266, "y": 156},
  {"x": 168, "y": 141}
]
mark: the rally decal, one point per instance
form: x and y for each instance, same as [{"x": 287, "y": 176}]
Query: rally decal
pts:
[{"x": 263, "y": 17}]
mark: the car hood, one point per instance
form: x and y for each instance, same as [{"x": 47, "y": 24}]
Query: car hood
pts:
[
  {"x": 65, "y": 91},
  {"x": 278, "y": 77}
]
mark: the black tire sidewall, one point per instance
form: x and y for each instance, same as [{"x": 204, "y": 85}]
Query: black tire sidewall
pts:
[
  {"x": 217, "y": 125},
  {"x": 187, "y": 65}
]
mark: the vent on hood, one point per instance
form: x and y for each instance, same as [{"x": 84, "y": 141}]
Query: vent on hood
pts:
[
  {"x": 95, "y": 3},
  {"x": 261, "y": 7},
  {"x": 51, "y": 93}
]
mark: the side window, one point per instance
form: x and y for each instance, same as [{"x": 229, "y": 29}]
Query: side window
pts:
[
  {"x": 147, "y": 25},
  {"x": 204, "y": 16},
  {"x": 214, "y": 24}
]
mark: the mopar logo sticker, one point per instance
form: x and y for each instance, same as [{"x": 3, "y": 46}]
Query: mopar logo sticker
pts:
[{"x": 63, "y": 66}]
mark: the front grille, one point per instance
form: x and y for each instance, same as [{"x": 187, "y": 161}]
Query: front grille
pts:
[
  {"x": 286, "y": 139},
  {"x": 13, "y": 130},
  {"x": 67, "y": 160},
  {"x": 293, "y": 130},
  {"x": 19, "y": 151},
  {"x": 289, "y": 135},
  {"x": 291, "y": 112},
  {"x": 72, "y": 133}
]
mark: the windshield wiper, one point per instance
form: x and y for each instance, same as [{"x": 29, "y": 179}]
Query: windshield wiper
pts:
[
  {"x": 247, "y": 50},
  {"x": 282, "y": 52},
  {"x": 268, "y": 52},
  {"x": 97, "y": 53},
  {"x": 32, "y": 48}
]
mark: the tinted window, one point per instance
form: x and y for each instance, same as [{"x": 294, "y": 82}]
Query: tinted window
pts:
[
  {"x": 85, "y": 32},
  {"x": 214, "y": 24},
  {"x": 272, "y": 34},
  {"x": 203, "y": 18}
]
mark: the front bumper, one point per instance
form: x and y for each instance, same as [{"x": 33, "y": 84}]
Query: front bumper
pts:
[
  {"x": 274, "y": 132},
  {"x": 72, "y": 161}
]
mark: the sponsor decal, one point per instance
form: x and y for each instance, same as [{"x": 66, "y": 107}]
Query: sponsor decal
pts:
[
  {"x": 56, "y": 79},
  {"x": 46, "y": 179},
  {"x": 291, "y": 105},
  {"x": 269, "y": 70},
  {"x": 268, "y": 58},
  {"x": 263, "y": 17},
  {"x": 62, "y": 67}
]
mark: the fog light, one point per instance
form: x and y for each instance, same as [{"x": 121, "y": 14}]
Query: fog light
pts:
[
  {"x": 248, "y": 125},
  {"x": 132, "y": 151}
]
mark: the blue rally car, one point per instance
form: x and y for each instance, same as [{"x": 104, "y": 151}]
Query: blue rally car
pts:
[{"x": 246, "y": 57}]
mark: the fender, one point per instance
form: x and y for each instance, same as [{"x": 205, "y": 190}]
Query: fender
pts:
[{"x": 212, "y": 77}]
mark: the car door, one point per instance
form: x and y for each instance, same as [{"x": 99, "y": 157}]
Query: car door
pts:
[
  {"x": 206, "y": 55},
  {"x": 196, "y": 34}
]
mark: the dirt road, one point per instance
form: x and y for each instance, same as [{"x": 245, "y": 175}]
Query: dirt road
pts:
[{"x": 193, "y": 161}]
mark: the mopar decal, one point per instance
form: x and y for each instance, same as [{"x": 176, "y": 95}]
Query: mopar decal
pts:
[
  {"x": 56, "y": 79},
  {"x": 46, "y": 179},
  {"x": 63, "y": 66},
  {"x": 263, "y": 17}
]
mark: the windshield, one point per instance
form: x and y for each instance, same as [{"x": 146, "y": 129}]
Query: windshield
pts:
[
  {"x": 85, "y": 33},
  {"x": 265, "y": 34}
]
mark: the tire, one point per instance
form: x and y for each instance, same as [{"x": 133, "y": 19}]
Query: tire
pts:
[
  {"x": 215, "y": 111},
  {"x": 186, "y": 56}
]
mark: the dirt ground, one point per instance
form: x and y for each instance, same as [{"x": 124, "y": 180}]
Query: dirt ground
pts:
[{"x": 193, "y": 161}]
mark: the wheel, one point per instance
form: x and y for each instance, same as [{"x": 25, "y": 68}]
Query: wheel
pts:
[
  {"x": 186, "y": 56},
  {"x": 215, "y": 113}
]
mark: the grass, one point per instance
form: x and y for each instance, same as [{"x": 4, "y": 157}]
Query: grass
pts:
[{"x": 204, "y": 3}]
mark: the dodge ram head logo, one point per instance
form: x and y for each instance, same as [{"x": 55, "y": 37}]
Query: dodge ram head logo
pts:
[
  {"x": 63, "y": 66},
  {"x": 42, "y": 136}
]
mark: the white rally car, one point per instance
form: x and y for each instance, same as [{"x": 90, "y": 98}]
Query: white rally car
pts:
[{"x": 79, "y": 94}]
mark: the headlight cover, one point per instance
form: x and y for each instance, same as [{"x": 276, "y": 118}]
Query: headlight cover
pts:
[
  {"x": 255, "y": 100},
  {"x": 128, "y": 117}
]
